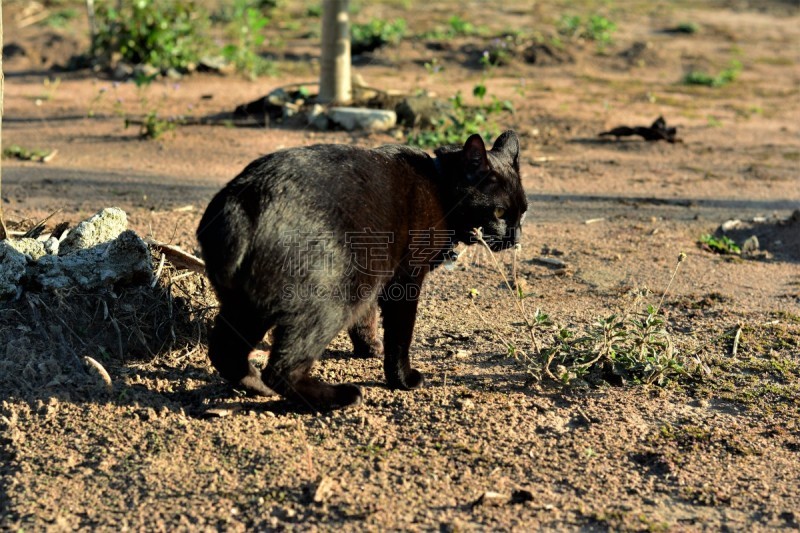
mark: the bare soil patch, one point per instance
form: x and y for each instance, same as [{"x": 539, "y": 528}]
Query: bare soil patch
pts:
[{"x": 717, "y": 450}]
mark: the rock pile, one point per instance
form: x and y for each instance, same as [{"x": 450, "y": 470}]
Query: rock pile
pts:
[{"x": 98, "y": 252}]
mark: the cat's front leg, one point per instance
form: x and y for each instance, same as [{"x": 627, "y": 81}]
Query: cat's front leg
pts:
[{"x": 399, "y": 306}]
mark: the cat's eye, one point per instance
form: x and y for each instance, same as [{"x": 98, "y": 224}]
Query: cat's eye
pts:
[{"x": 499, "y": 212}]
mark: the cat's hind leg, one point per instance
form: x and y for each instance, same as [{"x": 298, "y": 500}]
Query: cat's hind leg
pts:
[
  {"x": 364, "y": 335},
  {"x": 294, "y": 350},
  {"x": 237, "y": 329}
]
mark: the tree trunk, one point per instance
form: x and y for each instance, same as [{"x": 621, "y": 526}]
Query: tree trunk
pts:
[
  {"x": 334, "y": 80},
  {"x": 3, "y": 233}
]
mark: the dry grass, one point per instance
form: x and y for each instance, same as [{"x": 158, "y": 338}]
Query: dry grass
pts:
[{"x": 46, "y": 335}]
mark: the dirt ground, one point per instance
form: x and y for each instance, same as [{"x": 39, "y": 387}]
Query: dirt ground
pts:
[{"x": 716, "y": 451}]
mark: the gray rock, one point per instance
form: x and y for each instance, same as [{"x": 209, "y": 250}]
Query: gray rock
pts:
[
  {"x": 318, "y": 118},
  {"x": 173, "y": 73},
  {"x": 124, "y": 259},
  {"x": 212, "y": 63},
  {"x": 31, "y": 248},
  {"x": 51, "y": 246},
  {"x": 730, "y": 225},
  {"x": 751, "y": 245},
  {"x": 290, "y": 109},
  {"x": 12, "y": 269},
  {"x": 99, "y": 252},
  {"x": 422, "y": 111},
  {"x": 103, "y": 227},
  {"x": 145, "y": 71},
  {"x": 465, "y": 404},
  {"x": 122, "y": 71},
  {"x": 352, "y": 118},
  {"x": 278, "y": 97}
]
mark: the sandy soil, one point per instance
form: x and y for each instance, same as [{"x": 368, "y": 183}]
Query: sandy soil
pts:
[{"x": 713, "y": 452}]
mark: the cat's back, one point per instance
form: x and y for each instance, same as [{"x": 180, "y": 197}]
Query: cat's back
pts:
[{"x": 328, "y": 168}]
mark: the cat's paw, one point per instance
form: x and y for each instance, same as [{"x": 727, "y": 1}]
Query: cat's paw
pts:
[
  {"x": 253, "y": 385},
  {"x": 369, "y": 351},
  {"x": 412, "y": 380},
  {"x": 346, "y": 396}
]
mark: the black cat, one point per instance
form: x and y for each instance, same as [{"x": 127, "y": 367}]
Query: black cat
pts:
[{"x": 313, "y": 240}]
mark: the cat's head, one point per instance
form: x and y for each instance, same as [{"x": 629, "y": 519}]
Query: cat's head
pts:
[{"x": 487, "y": 191}]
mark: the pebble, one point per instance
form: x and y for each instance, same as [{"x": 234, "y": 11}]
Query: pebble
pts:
[{"x": 465, "y": 404}]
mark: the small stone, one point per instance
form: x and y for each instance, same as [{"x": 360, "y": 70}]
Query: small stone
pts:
[
  {"x": 102, "y": 227},
  {"x": 318, "y": 118},
  {"x": 221, "y": 412},
  {"x": 490, "y": 498},
  {"x": 51, "y": 246},
  {"x": 290, "y": 109},
  {"x": 323, "y": 489},
  {"x": 353, "y": 118},
  {"x": 521, "y": 496},
  {"x": 729, "y": 225},
  {"x": 750, "y": 245},
  {"x": 459, "y": 354},
  {"x": 212, "y": 63},
  {"x": 465, "y": 404},
  {"x": 145, "y": 71},
  {"x": 122, "y": 71},
  {"x": 549, "y": 261},
  {"x": 174, "y": 74},
  {"x": 278, "y": 97}
]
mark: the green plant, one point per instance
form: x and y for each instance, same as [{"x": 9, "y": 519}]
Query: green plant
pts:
[
  {"x": 50, "y": 86},
  {"x": 464, "y": 121},
  {"x": 459, "y": 27},
  {"x": 152, "y": 126},
  {"x": 376, "y": 33},
  {"x": 433, "y": 66},
  {"x": 720, "y": 245},
  {"x": 498, "y": 52},
  {"x": 16, "y": 151},
  {"x": 162, "y": 33},
  {"x": 599, "y": 29},
  {"x": 726, "y": 76},
  {"x": 689, "y": 28},
  {"x": 596, "y": 28},
  {"x": 60, "y": 18},
  {"x": 247, "y": 21},
  {"x": 633, "y": 346},
  {"x": 456, "y": 27}
]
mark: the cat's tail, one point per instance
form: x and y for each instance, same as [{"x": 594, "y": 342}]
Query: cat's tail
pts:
[{"x": 223, "y": 237}]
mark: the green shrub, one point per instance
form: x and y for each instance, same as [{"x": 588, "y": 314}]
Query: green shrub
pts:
[
  {"x": 725, "y": 77},
  {"x": 162, "y": 33},
  {"x": 247, "y": 21},
  {"x": 464, "y": 121},
  {"x": 596, "y": 28},
  {"x": 720, "y": 245},
  {"x": 376, "y": 33}
]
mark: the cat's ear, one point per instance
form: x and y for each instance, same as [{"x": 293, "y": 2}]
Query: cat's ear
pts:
[
  {"x": 508, "y": 144},
  {"x": 475, "y": 158}
]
